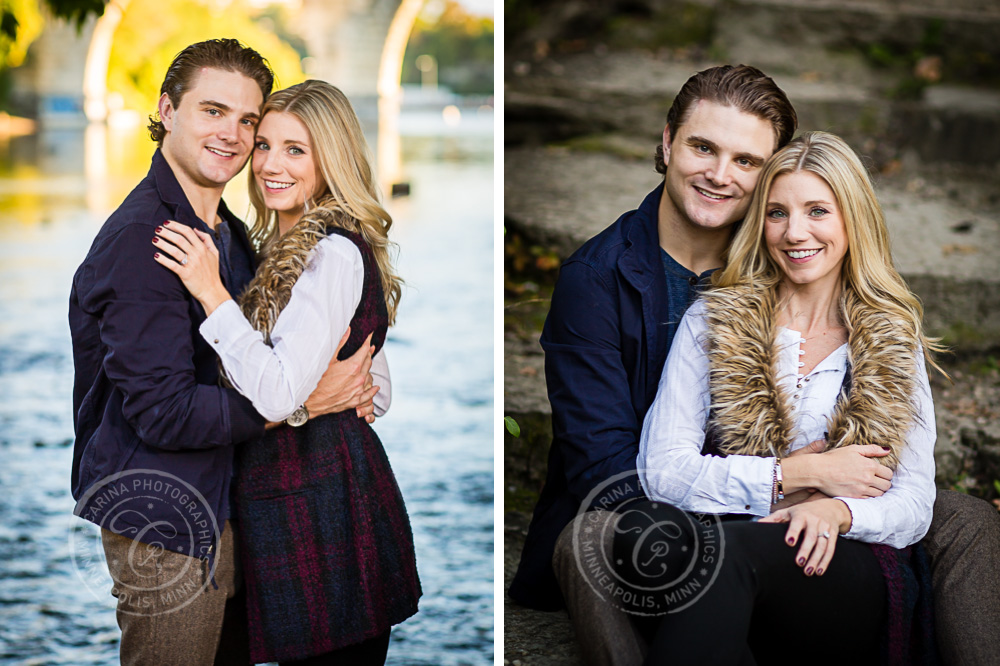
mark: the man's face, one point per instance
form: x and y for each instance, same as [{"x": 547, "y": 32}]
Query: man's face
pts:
[
  {"x": 210, "y": 133},
  {"x": 713, "y": 163}
]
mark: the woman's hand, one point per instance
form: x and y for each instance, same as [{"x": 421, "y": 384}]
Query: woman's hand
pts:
[
  {"x": 848, "y": 471},
  {"x": 814, "y": 525},
  {"x": 192, "y": 255}
]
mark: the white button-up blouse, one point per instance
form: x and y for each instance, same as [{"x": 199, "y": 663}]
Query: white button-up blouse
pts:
[
  {"x": 279, "y": 378},
  {"x": 672, "y": 468}
]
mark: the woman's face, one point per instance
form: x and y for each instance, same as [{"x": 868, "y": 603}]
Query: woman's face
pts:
[
  {"x": 283, "y": 164},
  {"x": 804, "y": 229}
]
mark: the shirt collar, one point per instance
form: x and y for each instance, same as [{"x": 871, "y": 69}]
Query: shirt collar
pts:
[{"x": 837, "y": 360}]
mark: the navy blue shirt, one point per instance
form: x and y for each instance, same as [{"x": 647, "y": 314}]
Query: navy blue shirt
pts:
[
  {"x": 683, "y": 287},
  {"x": 146, "y": 399}
]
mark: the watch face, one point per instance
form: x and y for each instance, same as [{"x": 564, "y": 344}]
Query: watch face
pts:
[{"x": 298, "y": 417}]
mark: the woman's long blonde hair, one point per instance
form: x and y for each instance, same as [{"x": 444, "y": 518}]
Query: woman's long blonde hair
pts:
[
  {"x": 868, "y": 270},
  {"x": 344, "y": 163}
]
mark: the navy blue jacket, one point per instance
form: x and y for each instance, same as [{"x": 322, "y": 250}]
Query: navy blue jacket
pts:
[
  {"x": 606, "y": 340},
  {"x": 146, "y": 398}
]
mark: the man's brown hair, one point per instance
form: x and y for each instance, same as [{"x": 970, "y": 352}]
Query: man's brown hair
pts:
[
  {"x": 741, "y": 86},
  {"x": 226, "y": 54}
]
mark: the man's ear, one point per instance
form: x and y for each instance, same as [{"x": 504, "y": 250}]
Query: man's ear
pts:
[
  {"x": 666, "y": 145},
  {"x": 166, "y": 111}
]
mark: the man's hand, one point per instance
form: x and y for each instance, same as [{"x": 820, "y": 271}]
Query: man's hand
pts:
[{"x": 346, "y": 384}]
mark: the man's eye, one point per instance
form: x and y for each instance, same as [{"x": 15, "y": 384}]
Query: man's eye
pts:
[
  {"x": 702, "y": 148},
  {"x": 213, "y": 112}
]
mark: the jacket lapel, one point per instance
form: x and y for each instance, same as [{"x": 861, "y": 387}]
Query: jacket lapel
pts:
[{"x": 641, "y": 267}]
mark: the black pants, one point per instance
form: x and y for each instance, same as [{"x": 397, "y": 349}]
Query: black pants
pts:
[
  {"x": 760, "y": 608},
  {"x": 366, "y": 653}
]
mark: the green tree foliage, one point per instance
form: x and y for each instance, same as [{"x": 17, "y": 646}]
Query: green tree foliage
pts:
[
  {"x": 461, "y": 44},
  {"x": 20, "y": 23},
  {"x": 140, "y": 56},
  {"x": 77, "y": 11}
]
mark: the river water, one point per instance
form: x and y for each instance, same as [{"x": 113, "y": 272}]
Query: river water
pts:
[{"x": 55, "y": 192}]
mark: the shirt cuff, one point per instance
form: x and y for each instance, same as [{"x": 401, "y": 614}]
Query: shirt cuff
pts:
[
  {"x": 864, "y": 520},
  {"x": 751, "y": 479},
  {"x": 226, "y": 318}
]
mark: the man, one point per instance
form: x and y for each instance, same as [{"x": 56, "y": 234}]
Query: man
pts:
[
  {"x": 615, "y": 309},
  {"x": 155, "y": 433}
]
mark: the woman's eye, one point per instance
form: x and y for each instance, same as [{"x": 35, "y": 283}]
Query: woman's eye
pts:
[
  {"x": 818, "y": 212},
  {"x": 776, "y": 213},
  {"x": 296, "y": 151},
  {"x": 261, "y": 146}
]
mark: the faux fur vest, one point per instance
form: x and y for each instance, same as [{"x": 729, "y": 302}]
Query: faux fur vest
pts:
[
  {"x": 271, "y": 288},
  {"x": 751, "y": 415}
]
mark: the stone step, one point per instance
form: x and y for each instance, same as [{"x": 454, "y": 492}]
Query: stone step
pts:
[
  {"x": 572, "y": 95},
  {"x": 782, "y": 33}
]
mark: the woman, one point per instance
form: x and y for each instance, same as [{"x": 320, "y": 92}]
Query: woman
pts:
[
  {"x": 327, "y": 550},
  {"x": 808, "y": 335}
]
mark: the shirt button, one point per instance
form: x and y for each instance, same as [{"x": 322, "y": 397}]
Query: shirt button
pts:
[
  {"x": 693, "y": 281},
  {"x": 802, "y": 352},
  {"x": 747, "y": 507},
  {"x": 798, "y": 386},
  {"x": 801, "y": 364},
  {"x": 807, "y": 379},
  {"x": 216, "y": 341},
  {"x": 796, "y": 397}
]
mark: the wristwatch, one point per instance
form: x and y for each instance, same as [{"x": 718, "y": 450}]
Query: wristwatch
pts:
[{"x": 298, "y": 417}]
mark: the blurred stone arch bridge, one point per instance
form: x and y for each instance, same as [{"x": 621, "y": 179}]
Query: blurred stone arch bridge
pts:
[{"x": 357, "y": 45}]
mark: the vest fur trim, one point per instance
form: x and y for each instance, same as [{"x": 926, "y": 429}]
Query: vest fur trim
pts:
[
  {"x": 271, "y": 288},
  {"x": 751, "y": 415}
]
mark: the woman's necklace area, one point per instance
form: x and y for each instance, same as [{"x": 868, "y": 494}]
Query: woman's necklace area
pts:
[{"x": 838, "y": 334}]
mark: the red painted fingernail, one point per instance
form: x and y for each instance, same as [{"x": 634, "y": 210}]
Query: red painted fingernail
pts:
[
  {"x": 802, "y": 561},
  {"x": 819, "y": 572},
  {"x": 159, "y": 229},
  {"x": 791, "y": 541},
  {"x": 156, "y": 255},
  {"x": 166, "y": 222},
  {"x": 155, "y": 239}
]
